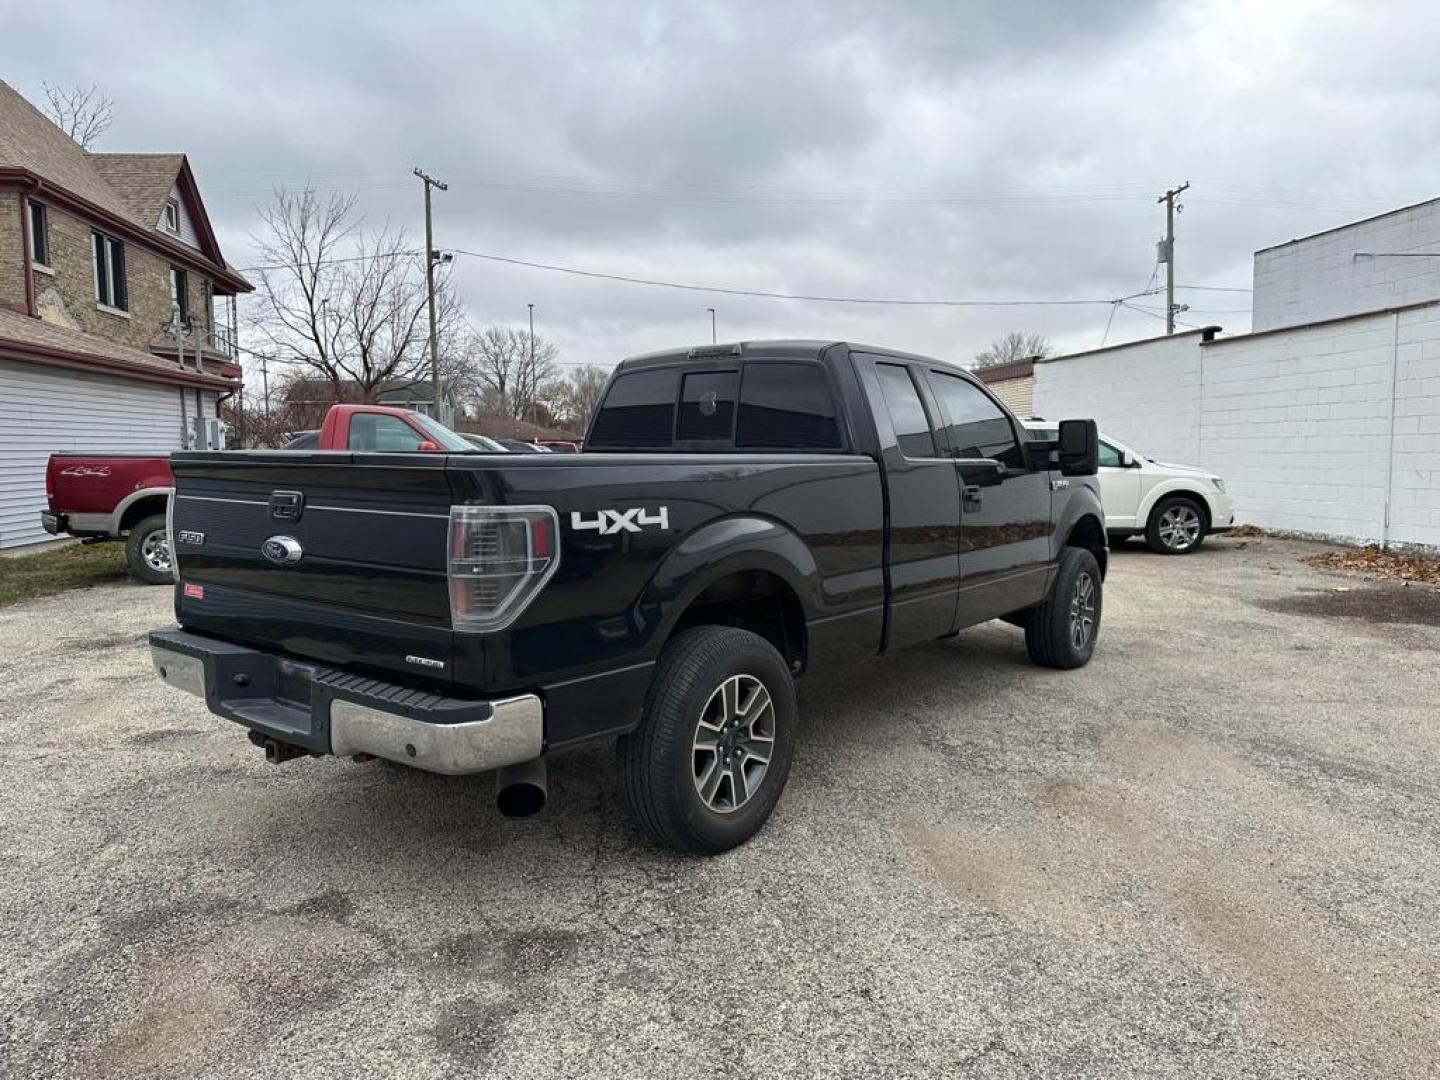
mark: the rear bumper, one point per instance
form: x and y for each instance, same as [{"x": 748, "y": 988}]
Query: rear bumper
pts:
[
  {"x": 328, "y": 711},
  {"x": 52, "y": 523}
]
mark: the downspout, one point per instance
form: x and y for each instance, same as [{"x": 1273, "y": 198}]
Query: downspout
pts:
[
  {"x": 220, "y": 399},
  {"x": 31, "y": 307},
  {"x": 1390, "y": 431}
]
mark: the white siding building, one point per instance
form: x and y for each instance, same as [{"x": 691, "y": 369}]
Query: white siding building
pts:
[
  {"x": 109, "y": 337},
  {"x": 95, "y": 403},
  {"x": 1326, "y": 425},
  {"x": 1382, "y": 262}
]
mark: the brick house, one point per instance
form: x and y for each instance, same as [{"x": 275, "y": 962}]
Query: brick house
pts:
[
  {"x": 97, "y": 254},
  {"x": 1013, "y": 383}
]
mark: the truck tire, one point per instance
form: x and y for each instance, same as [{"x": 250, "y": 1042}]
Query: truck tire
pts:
[
  {"x": 711, "y": 755},
  {"x": 1061, "y": 632},
  {"x": 1176, "y": 526},
  {"x": 147, "y": 551}
]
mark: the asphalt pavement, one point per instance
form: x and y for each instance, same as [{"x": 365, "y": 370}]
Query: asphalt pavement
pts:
[{"x": 1214, "y": 852}]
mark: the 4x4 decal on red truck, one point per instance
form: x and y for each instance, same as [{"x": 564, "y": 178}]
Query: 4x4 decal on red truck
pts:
[{"x": 606, "y": 522}]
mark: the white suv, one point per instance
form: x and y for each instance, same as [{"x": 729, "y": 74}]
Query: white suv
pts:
[{"x": 1175, "y": 506}]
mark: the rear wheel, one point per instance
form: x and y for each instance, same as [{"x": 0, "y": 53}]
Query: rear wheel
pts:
[
  {"x": 147, "y": 551},
  {"x": 1176, "y": 526},
  {"x": 707, "y": 764},
  {"x": 1061, "y": 632}
]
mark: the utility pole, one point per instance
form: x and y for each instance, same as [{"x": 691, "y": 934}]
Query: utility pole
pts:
[
  {"x": 533, "y": 381},
  {"x": 265, "y": 389},
  {"x": 711, "y": 310},
  {"x": 1167, "y": 252},
  {"x": 431, "y": 257}
]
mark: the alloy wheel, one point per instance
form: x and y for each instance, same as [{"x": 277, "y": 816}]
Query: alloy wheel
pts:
[
  {"x": 1179, "y": 527},
  {"x": 1082, "y": 610},
  {"x": 734, "y": 741}
]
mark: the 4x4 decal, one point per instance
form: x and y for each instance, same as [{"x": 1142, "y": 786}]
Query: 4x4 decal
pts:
[{"x": 607, "y": 522}]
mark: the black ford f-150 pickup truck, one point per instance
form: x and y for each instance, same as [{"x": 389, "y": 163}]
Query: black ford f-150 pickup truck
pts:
[{"x": 740, "y": 516}]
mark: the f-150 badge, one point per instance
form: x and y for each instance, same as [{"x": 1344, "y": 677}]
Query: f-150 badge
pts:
[{"x": 608, "y": 522}]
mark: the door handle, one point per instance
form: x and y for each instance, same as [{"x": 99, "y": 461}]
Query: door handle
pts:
[{"x": 971, "y": 493}]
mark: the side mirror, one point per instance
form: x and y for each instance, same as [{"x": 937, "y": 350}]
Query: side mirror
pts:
[
  {"x": 1079, "y": 447},
  {"x": 429, "y": 446},
  {"x": 1127, "y": 459}
]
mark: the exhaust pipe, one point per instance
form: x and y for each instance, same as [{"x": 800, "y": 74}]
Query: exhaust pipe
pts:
[{"x": 520, "y": 789}]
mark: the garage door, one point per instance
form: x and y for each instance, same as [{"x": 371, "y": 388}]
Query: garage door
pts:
[{"x": 45, "y": 409}]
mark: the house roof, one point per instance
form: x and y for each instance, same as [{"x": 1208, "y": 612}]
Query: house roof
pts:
[
  {"x": 128, "y": 189},
  {"x": 29, "y": 140},
  {"x": 33, "y": 339},
  {"x": 143, "y": 181},
  {"x": 1011, "y": 369}
]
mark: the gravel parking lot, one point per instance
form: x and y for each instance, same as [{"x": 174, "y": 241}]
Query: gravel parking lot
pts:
[{"x": 1213, "y": 852}]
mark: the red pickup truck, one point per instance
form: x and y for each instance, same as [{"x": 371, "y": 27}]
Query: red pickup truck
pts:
[{"x": 125, "y": 496}]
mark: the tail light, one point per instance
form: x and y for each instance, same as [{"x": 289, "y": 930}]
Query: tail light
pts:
[{"x": 500, "y": 559}]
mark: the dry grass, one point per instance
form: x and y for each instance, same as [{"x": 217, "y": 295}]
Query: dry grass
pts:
[
  {"x": 1375, "y": 562},
  {"x": 74, "y": 567}
]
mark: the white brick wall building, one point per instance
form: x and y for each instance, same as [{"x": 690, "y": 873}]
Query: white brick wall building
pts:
[
  {"x": 1366, "y": 266},
  {"x": 1331, "y": 428}
]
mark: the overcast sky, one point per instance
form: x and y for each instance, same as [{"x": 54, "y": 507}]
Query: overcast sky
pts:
[{"x": 924, "y": 150}]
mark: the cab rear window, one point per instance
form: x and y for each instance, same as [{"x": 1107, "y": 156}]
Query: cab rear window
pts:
[
  {"x": 787, "y": 406},
  {"x": 767, "y": 405},
  {"x": 639, "y": 410}
]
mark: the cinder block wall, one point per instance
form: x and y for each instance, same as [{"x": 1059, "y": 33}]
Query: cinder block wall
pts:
[
  {"x": 1320, "y": 277},
  {"x": 1145, "y": 395},
  {"x": 1302, "y": 424}
]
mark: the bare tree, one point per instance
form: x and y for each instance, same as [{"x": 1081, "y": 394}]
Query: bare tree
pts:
[
  {"x": 346, "y": 303},
  {"x": 1013, "y": 346},
  {"x": 83, "y": 114},
  {"x": 580, "y": 395},
  {"x": 508, "y": 379}
]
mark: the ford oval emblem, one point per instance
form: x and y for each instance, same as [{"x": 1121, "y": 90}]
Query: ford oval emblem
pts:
[{"x": 284, "y": 550}]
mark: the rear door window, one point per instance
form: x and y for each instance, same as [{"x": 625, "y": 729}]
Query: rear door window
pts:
[
  {"x": 786, "y": 406},
  {"x": 907, "y": 414},
  {"x": 974, "y": 425},
  {"x": 707, "y": 405},
  {"x": 639, "y": 410}
]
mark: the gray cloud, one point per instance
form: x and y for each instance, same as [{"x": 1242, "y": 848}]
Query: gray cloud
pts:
[{"x": 902, "y": 149}]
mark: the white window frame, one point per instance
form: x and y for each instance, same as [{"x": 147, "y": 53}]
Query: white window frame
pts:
[
  {"x": 103, "y": 301},
  {"x": 170, "y": 217}
]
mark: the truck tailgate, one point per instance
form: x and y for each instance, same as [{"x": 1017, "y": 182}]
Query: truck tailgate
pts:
[{"x": 330, "y": 555}]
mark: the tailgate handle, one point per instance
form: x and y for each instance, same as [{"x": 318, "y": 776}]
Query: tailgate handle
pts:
[{"x": 287, "y": 505}]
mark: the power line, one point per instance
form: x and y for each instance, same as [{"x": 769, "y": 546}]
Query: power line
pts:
[
  {"x": 607, "y": 187},
  {"x": 762, "y": 294}
]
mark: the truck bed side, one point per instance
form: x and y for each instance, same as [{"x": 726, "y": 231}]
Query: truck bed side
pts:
[{"x": 645, "y": 542}]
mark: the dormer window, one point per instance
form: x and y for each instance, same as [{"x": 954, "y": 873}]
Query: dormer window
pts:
[{"x": 171, "y": 218}]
